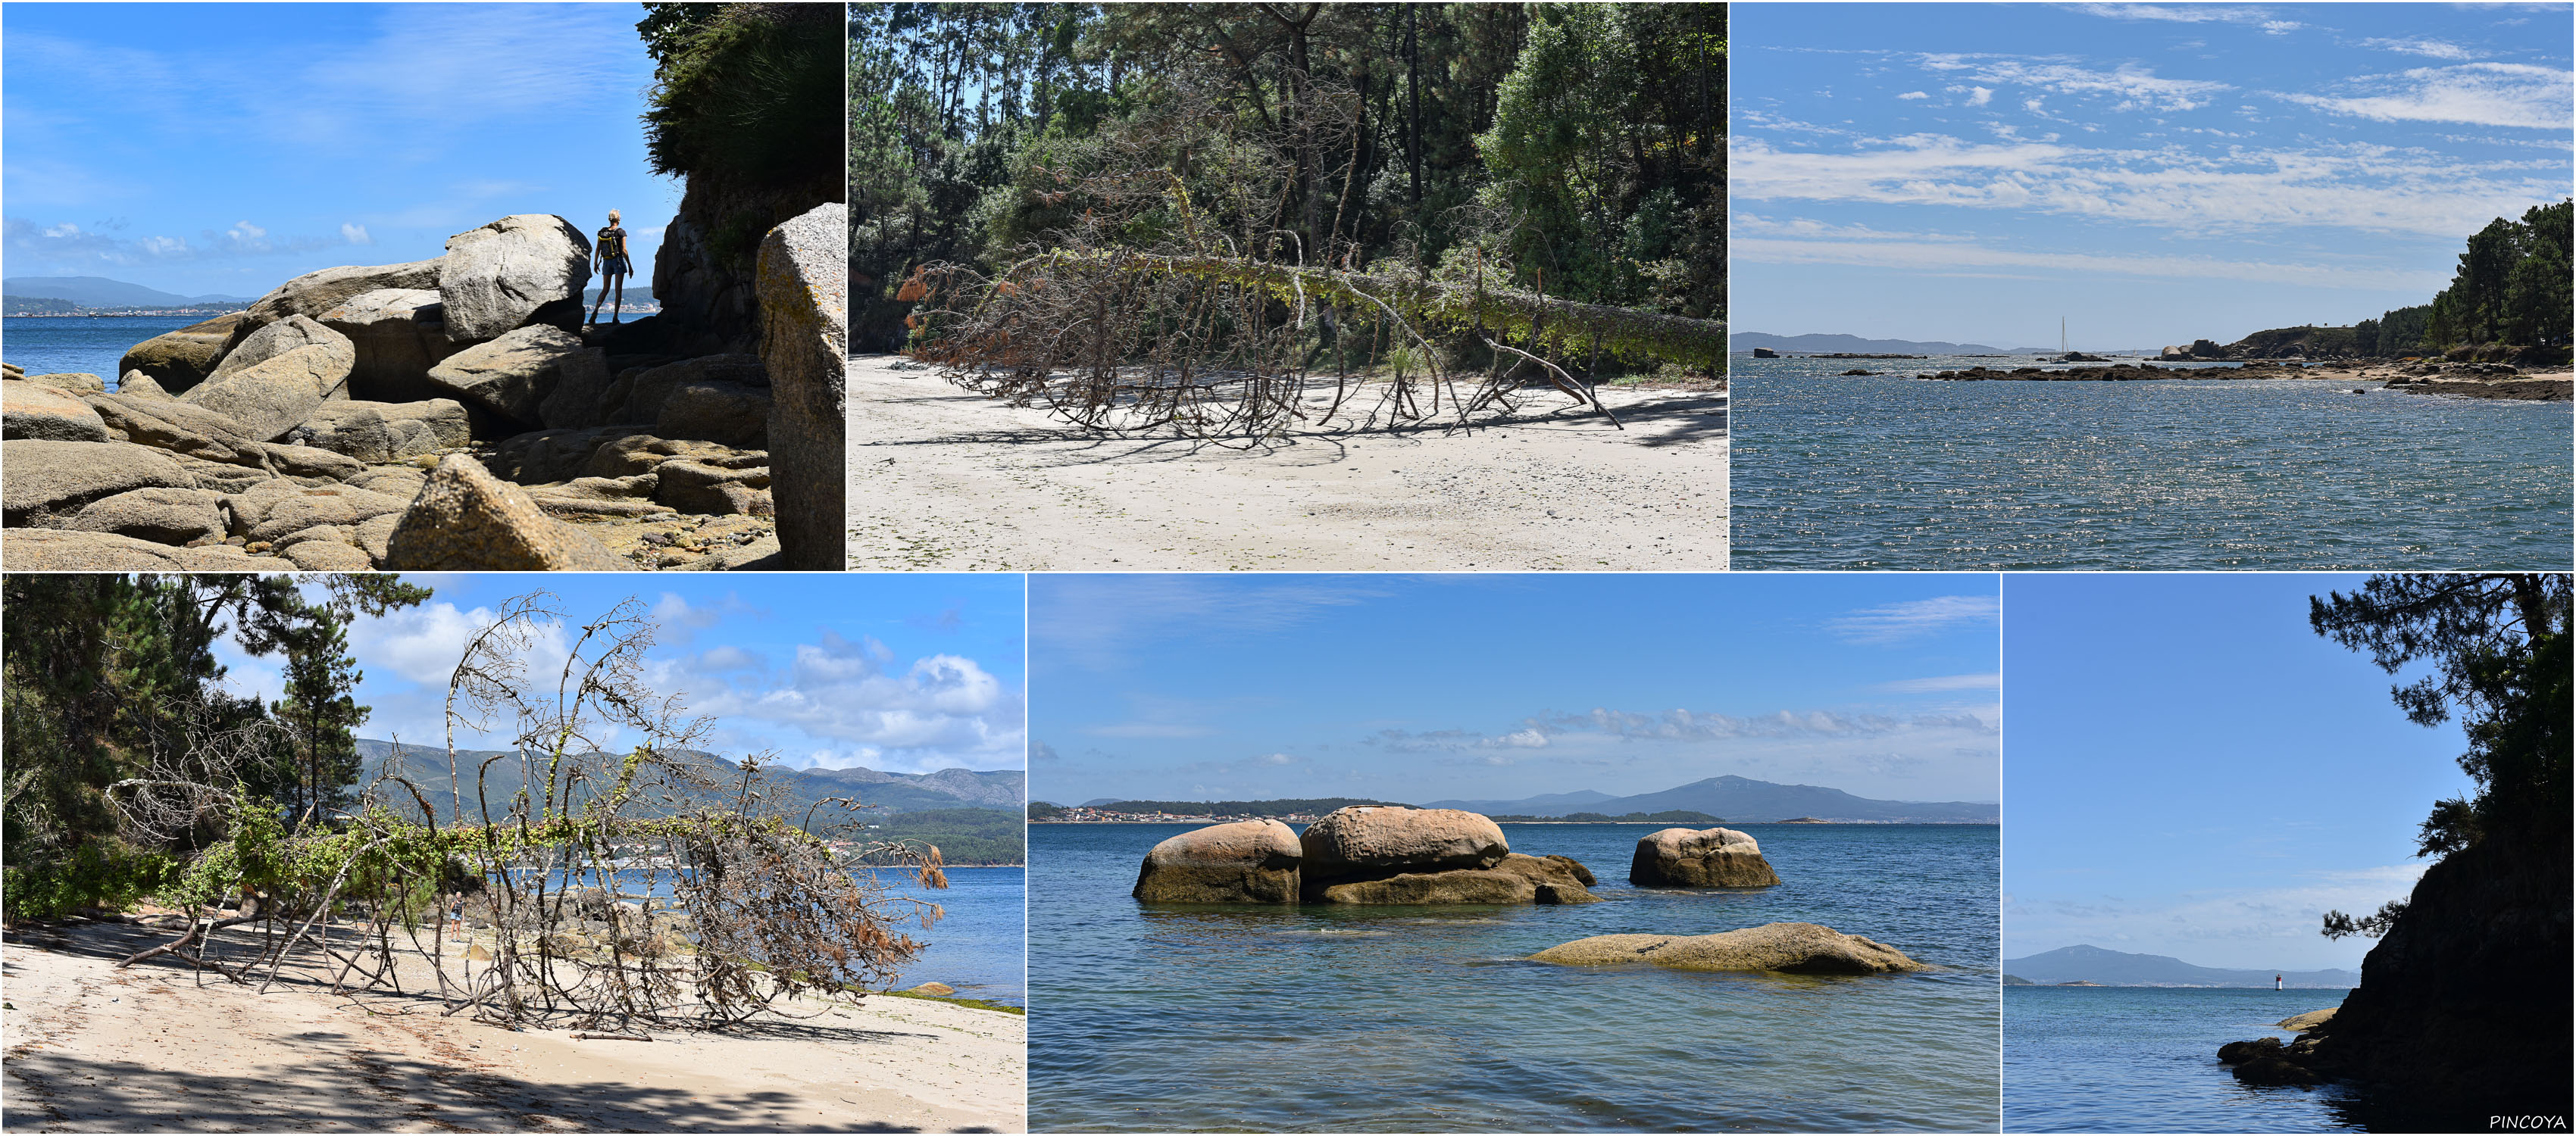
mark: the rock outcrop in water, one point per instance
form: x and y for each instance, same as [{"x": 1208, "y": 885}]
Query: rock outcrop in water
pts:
[
  {"x": 1795, "y": 948},
  {"x": 2462, "y": 1009},
  {"x": 1709, "y": 857},
  {"x": 1377, "y": 855},
  {"x": 449, "y": 413},
  {"x": 1247, "y": 861}
]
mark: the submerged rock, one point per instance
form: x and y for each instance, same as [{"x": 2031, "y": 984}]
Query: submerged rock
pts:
[
  {"x": 1797, "y": 948},
  {"x": 1250, "y": 861},
  {"x": 1708, "y": 857}
]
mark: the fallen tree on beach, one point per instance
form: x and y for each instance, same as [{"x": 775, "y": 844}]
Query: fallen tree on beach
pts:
[{"x": 623, "y": 882}]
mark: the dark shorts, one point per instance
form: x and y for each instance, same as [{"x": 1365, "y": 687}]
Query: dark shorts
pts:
[{"x": 616, "y": 265}]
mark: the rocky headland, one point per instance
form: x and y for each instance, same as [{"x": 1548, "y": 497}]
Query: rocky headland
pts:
[
  {"x": 1708, "y": 857},
  {"x": 2462, "y": 1009},
  {"x": 454, "y": 414},
  {"x": 1795, "y": 948},
  {"x": 1376, "y": 855}
]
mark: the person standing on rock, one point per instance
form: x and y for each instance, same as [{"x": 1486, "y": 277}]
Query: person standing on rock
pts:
[{"x": 609, "y": 257}]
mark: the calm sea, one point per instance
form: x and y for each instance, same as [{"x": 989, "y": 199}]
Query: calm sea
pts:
[
  {"x": 1424, "y": 1019},
  {"x": 2145, "y": 1059},
  {"x": 49, "y": 345},
  {"x": 1895, "y": 472},
  {"x": 975, "y": 946}
]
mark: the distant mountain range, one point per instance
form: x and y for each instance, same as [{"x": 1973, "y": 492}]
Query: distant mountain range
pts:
[
  {"x": 1741, "y": 799},
  {"x": 101, "y": 292},
  {"x": 1827, "y": 344},
  {"x": 2115, "y": 968},
  {"x": 1004, "y": 789}
]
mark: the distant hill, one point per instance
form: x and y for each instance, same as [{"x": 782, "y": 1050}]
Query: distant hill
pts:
[
  {"x": 101, "y": 292},
  {"x": 634, "y": 294},
  {"x": 1746, "y": 801},
  {"x": 1000, "y": 789},
  {"x": 2115, "y": 968},
  {"x": 1820, "y": 344}
]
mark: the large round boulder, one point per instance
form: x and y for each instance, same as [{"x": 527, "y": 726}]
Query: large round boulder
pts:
[
  {"x": 1796, "y": 948},
  {"x": 319, "y": 291},
  {"x": 1248, "y": 861},
  {"x": 177, "y": 360},
  {"x": 1386, "y": 840},
  {"x": 400, "y": 333},
  {"x": 1707, "y": 857},
  {"x": 494, "y": 278}
]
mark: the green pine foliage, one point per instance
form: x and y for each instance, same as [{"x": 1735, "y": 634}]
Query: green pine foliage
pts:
[
  {"x": 101, "y": 674},
  {"x": 1581, "y": 144},
  {"x": 2511, "y": 286}
]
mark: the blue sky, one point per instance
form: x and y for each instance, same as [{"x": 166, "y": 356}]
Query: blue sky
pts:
[
  {"x": 2153, "y": 172},
  {"x": 904, "y": 673},
  {"x": 2190, "y": 771},
  {"x": 1501, "y": 687},
  {"x": 224, "y": 148}
]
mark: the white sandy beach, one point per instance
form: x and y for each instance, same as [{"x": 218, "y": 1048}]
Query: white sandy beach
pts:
[
  {"x": 93, "y": 1049},
  {"x": 944, "y": 480}
]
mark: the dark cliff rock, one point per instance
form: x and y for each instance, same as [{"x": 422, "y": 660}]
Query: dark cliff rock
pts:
[{"x": 2463, "y": 1008}]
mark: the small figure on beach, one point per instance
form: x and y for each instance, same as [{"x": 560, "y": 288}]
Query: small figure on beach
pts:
[{"x": 609, "y": 257}]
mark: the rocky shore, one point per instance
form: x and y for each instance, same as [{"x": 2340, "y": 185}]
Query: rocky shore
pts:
[
  {"x": 1376, "y": 855},
  {"x": 450, "y": 414},
  {"x": 2458, "y": 379}
]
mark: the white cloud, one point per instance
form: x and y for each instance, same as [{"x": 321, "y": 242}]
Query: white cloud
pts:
[
  {"x": 2431, "y": 48},
  {"x": 355, "y": 234},
  {"x": 1913, "y": 95},
  {"x": 2261, "y": 18},
  {"x": 2336, "y": 185},
  {"x": 1980, "y": 96},
  {"x": 1757, "y": 225},
  {"x": 2483, "y": 94},
  {"x": 1906, "y": 619},
  {"x": 2135, "y": 87}
]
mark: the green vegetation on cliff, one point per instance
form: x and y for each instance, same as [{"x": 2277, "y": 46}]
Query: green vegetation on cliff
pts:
[
  {"x": 745, "y": 93},
  {"x": 2464, "y": 1005}
]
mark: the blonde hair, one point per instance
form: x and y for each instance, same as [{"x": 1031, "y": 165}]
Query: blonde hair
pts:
[{"x": 612, "y": 217}]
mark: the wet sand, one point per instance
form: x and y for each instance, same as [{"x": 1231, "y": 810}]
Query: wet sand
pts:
[
  {"x": 942, "y": 479},
  {"x": 93, "y": 1049}
]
